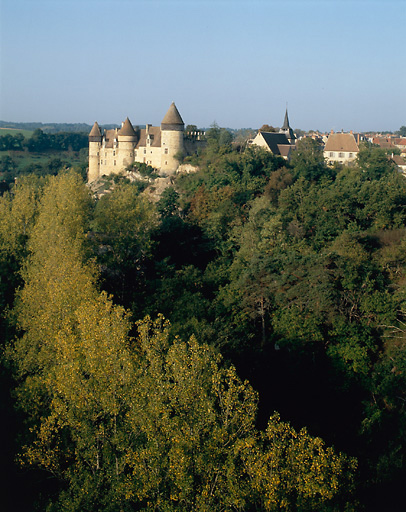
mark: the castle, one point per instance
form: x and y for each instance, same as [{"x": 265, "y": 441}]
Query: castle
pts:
[{"x": 158, "y": 146}]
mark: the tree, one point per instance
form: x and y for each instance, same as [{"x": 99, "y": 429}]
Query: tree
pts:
[
  {"x": 374, "y": 161},
  {"x": 70, "y": 358},
  {"x": 152, "y": 423},
  {"x": 295, "y": 471},
  {"x": 39, "y": 141},
  {"x": 267, "y": 128},
  {"x": 168, "y": 204},
  {"x": 122, "y": 227},
  {"x": 7, "y": 165},
  {"x": 18, "y": 210},
  {"x": 308, "y": 160},
  {"x": 402, "y": 131}
]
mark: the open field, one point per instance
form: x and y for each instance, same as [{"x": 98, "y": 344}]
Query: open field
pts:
[{"x": 13, "y": 131}]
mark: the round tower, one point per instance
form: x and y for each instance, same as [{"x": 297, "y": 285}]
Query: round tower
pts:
[
  {"x": 172, "y": 130},
  {"x": 95, "y": 140},
  {"x": 127, "y": 141}
]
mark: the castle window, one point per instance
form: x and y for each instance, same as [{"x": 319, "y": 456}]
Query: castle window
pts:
[
  {"x": 114, "y": 162},
  {"x": 331, "y": 154},
  {"x": 350, "y": 155},
  {"x": 340, "y": 155},
  {"x": 166, "y": 151},
  {"x": 97, "y": 153},
  {"x": 145, "y": 151},
  {"x": 166, "y": 163},
  {"x": 114, "y": 153},
  {"x": 135, "y": 153},
  {"x": 105, "y": 154}
]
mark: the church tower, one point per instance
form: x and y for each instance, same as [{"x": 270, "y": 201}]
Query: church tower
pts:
[
  {"x": 287, "y": 130},
  {"x": 95, "y": 140},
  {"x": 172, "y": 130}
]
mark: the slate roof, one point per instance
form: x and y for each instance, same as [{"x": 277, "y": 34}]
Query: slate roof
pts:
[
  {"x": 274, "y": 140},
  {"x": 286, "y": 121},
  {"x": 172, "y": 116},
  {"x": 341, "y": 142},
  {"x": 155, "y": 132},
  {"x": 109, "y": 136}
]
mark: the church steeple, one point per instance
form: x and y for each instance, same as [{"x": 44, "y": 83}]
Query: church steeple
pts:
[
  {"x": 286, "y": 121},
  {"x": 287, "y": 130}
]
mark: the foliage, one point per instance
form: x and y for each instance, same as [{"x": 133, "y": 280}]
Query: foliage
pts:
[
  {"x": 122, "y": 227},
  {"x": 9, "y": 142},
  {"x": 374, "y": 161},
  {"x": 308, "y": 160},
  {"x": 168, "y": 203},
  {"x": 18, "y": 210},
  {"x": 293, "y": 270},
  {"x": 402, "y": 131},
  {"x": 62, "y": 141}
]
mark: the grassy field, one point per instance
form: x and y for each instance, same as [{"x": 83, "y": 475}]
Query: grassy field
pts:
[{"x": 13, "y": 131}]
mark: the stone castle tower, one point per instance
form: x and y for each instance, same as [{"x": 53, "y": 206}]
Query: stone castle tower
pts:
[
  {"x": 114, "y": 150},
  {"x": 172, "y": 131}
]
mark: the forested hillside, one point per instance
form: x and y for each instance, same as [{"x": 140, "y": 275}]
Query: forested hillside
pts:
[{"x": 238, "y": 345}]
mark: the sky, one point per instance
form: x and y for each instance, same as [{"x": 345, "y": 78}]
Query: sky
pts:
[{"x": 335, "y": 64}]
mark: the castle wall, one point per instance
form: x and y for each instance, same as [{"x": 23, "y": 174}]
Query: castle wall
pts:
[
  {"x": 148, "y": 155},
  {"x": 111, "y": 161}
]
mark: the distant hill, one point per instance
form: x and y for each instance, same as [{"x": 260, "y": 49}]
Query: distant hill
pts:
[{"x": 53, "y": 127}]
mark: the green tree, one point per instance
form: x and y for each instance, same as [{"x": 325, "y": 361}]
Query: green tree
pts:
[
  {"x": 39, "y": 141},
  {"x": 308, "y": 160},
  {"x": 123, "y": 223},
  {"x": 402, "y": 131},
  {"x": 168, "y": 204},
  {"x": 18, "y": 210},
  {"x": 374, "y": 161}
]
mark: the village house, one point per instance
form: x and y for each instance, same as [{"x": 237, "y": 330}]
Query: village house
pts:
[{"x": 341, "y": 147}]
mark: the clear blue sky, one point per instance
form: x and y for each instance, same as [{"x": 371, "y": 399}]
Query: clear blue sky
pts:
[{"x": 338, "y": 64}]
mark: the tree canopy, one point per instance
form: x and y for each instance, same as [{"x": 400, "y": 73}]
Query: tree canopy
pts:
[{"x": 150, "y": 343}]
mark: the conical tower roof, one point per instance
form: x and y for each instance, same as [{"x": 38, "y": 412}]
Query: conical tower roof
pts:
[
  {"x": 127, "y": 129},
  {"x": 286, "y": 121},
  {"x": 172, "y": 117},
  {"x": 95, "y": 134},
  {"x": 95, "y": 131}
]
